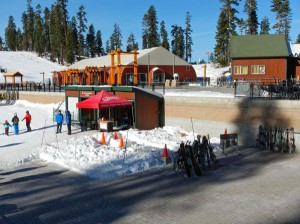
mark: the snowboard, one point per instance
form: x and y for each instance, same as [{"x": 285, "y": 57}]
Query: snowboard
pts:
[{"x": 194, "y": 162}]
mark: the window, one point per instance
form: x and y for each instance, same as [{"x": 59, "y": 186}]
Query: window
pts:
[
  {"x": 241, "y": 70},
  {"x": 258, "y": 69}
]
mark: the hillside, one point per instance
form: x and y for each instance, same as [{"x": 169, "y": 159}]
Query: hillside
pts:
[
  {"x": 31, "y": 66},
  {"x": 28, "y": 64}
]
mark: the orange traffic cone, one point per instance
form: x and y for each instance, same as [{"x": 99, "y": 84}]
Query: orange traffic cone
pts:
[
  {"x": 225, "y": 132},
  {"x": 115, "y": 135},
  {"x": 165, "y": 153},
  {"x": 103, "y": 139},
  {"x": 121, "y": 145}
]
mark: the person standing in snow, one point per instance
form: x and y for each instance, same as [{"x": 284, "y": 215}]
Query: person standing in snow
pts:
[
  {"x": 68, "y": 121},
  {"x": 59, "y": 118},
  {"x": 27, "y": 118},
  {"x": 6, "y": 127},
  {"x": 15, "y": 121}
]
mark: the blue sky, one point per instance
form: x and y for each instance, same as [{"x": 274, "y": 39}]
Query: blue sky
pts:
[{"x": 103, "y": 14}]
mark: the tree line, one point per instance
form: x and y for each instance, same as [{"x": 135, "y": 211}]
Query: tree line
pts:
[{"x": 51, "y": 32}]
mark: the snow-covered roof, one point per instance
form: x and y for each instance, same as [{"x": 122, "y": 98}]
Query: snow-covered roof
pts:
[
  {"x": 295, "y": 49},
  {"x": 150, "y": 56}
]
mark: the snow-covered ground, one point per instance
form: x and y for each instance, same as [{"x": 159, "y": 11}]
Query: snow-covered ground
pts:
[{"x": 82, "y": 151}]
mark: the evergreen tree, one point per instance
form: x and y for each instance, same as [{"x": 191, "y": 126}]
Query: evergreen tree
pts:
[
  {"x": 46, "y": 30},
  {"x": 107, "y": 47},
  {"x": 298, "y": 39},
  {"x": 1, "y": 44},
  {"x": 265, "y": 26},
  {"x": 19, "y": 40},
  {"x": 283, "y": 15},
  {"x": 30, "y": 26},
  {"x": 145, "y": 32},
  {"x": 75, "y": 34},
  {"x": 39, "y": 40},
  {"x": 25, "y": 41},
  {"x": 116, "y": 38},
  {"x": 224, "y": 33},
  {"x": 131, "y": 43},
  {"x": 241, "y": 25},
  {"x": 177, "y": 42},
  {"x": 11, "y": 34},
  {"x": 250, "y": 8},
  {"x": 98, "y": 44},
  {"x": 81, "y": 17},
  {"x": 64, "y": 14},
  {"x": 220, "y": 48},
  {"x": 70, "y": 44},
  {"x": 152, "y": 28},
  {"x": 188, "y": 37},
  {"x": 90, "y": 41},
  {"x": 164, "y": 36}
]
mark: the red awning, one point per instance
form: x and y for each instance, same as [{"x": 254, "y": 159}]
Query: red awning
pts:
[{"x": 103, "y": 99}]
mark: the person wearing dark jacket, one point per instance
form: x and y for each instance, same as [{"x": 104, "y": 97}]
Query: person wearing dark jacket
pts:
[
  {"x": 15, "y": 121},
  {"x": 59, "y": 118},
  {"x": 68, "y": 121}
]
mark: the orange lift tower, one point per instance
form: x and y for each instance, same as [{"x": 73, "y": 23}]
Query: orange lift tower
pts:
[{"x": 120, "y": 66}]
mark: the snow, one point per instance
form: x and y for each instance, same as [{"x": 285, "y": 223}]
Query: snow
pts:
[{"x": 82, "y": 151}]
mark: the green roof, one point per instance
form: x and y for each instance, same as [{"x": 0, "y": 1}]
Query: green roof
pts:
[{"x": 259, "y": 46}]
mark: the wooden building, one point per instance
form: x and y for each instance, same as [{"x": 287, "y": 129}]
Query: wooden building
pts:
[
  {"x": 148, "y": 66},
  {"x": 263, "y": 57},
  {"x": 147, "y": 110}
]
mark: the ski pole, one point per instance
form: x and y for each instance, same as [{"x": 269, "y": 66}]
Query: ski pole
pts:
[
  {"x": 125, "y": 149},
  {"x": 193, "y": 128}
]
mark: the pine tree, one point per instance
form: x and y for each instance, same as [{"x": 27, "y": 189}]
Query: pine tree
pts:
[
  {"x": 11, "y": 34},
  {"x": 39, "y": 39},
  {"x": 81, "y": 17},
  {"x": 250, "y": 8},
  {"x": 30, "y": 26},
  {"x": 152, "y": 28},
  {"x": 19, "y": 40},
  {"x": 107, "y": 47},
  {"x": 116, "y": 38},
  {"x": 145, "y": 32},
  {"x": 283, "y": 15},
  {"x": 225, "y": 29},
  {"x": 164, "y": 36},
  {"x": 188, "y": 37},
  {"x": 298, "y": 39},
  {"x": 90, "y": 41},
  {"x": 220, "y": 48},
  {"x": 64, "y": 14},
  {"x": 46, "y": 30},
  {"x": 241, "y": 25},
  {"x": 131, "y": 43},
  {"x": 98, "y": 44},
  {"x": 265, "y": 26},
  {"x": 177, "y": 43},
  {"x": 75, "y": 34},
  {"x": 70, "y": 44},
  {"x": 25, "y": 41},
  {"x": 1, "y": 44}
]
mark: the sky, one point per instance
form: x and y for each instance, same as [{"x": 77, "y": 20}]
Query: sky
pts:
[{"x": 128, "y": 15}]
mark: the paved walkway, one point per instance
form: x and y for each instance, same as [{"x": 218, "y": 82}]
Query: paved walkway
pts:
[{"x": 254, "y": 187}]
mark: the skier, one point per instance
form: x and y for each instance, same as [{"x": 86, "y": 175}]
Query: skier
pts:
[
  {"x": 15, "y": 121},
  {"x": 27, "y": 118},
  {"x": 59, "y": 120},
  {"x": 68, "y": 121},
  {"x": 6, "y": 127}
]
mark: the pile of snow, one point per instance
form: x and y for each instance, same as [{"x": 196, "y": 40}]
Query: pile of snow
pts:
[{"x": 28, "y": 64}]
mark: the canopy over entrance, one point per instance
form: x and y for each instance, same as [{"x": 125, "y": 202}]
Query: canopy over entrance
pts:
[{"x": 103, "y": 99}]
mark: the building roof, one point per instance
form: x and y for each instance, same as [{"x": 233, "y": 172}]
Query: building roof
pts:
[
  {"x": 259, "y": 46},
  {"x": 150, "y": 56},
  {"x": 13, "y": 74}
]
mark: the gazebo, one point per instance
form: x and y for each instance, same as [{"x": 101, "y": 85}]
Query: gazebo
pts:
[{"x": 13, "y": 76}]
